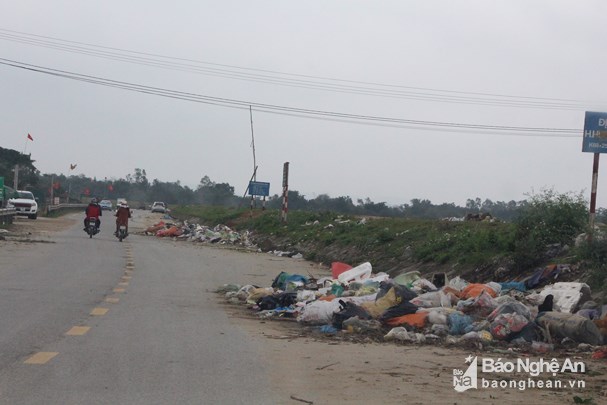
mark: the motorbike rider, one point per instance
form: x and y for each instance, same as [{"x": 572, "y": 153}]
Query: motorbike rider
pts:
[
  {"x": 93, "y": 210},
  {"x": 123, "y": 213}
]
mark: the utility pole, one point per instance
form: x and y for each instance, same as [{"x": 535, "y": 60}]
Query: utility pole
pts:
[{"x": 254, "y": 161}]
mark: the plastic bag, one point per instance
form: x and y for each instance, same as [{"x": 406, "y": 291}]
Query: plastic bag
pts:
[
  {"x": 285, "y": 281},
  {"x": 403, "y": 308},
  {"x": 398, "y": 333},
  {"x": 400, "y": 291},
  {"x": 401, "y": 334},
  {"x": 436, "y": 318},
  {"x": 417, "y": 320},
  {"x": 480, "y": 306},
  {"x": 509, "y": 308},
  {"x": 478, "y": 326},
  {"x": 423, "y": 285},
  {"x": 514, "y": 285},
  {"x": 458, "y": 283},
  {"x": 348, "y": 310},
  {"x": 440, "y": 330},
  {"x": 474, "y": 290},
  {"x": 407, "y": 279},
  {"x": 505, "y": 325},
  {"x": 256, "y": 294},
  {"x": 321, "y": 311},
  {"x": 560, "y": 325},
  {"x": 281, "y": 300},
  {"x": 458, "y": 323},
  {"x": 428, "y": 300},
  {"x": 382, "y": 303},
  {"x": 306, "y": 295}
]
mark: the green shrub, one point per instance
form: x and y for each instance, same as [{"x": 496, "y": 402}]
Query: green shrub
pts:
[
  {"x": 593, "y": 256},
  {"x": 548, "y": 218}
]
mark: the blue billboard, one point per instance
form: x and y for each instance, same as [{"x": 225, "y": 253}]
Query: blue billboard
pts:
[
  {"x": 259, "y": 188},
  {"x": 595, "y": 132}
]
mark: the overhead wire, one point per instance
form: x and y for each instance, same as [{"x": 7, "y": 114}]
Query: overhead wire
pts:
[
  {"x": 292, "y": 111},
  {"x": 289, "y": 79}
]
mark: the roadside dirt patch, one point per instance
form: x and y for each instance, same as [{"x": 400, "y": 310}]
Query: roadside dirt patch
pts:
[
  {"x": 312, "y": 367},
  {"x": 40, "y": 229}
]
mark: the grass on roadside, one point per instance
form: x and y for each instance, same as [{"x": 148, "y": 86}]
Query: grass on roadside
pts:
[{"x": 442, "y": 242}]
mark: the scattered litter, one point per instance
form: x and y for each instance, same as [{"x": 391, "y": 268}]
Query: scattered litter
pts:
[{"x": 409, "y": 308}]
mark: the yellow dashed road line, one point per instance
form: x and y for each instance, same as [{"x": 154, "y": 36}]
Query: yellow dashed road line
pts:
[
  {"x": 41, "y": 358},
  {"x": 78, "y": 330},
  {"x": 45, "y": 357},
  {"x": 99, "y": 311}
]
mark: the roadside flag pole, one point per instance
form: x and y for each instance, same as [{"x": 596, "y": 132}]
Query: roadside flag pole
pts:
[{"x": 16, "y": 178}]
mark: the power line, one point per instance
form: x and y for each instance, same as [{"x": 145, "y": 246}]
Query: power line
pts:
[
  {"x": 293, "y": 111},
  {"x": 290, "y": 79}
]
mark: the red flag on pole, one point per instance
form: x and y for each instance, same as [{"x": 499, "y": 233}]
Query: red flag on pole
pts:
[{"x": 30, "y": 137}]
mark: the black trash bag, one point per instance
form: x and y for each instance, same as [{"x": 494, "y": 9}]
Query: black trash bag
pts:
[
  {"x": 277, "y": 301},
  {"x": 267, "y": 303},
  {"x": 347, "y": 311},
  {"x": 401, "y": 291},
  {"x": 286, "y": 299},
  {"x": 404, "y": 308}
]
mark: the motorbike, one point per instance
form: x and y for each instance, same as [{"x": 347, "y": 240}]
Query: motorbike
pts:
[
  {"x": 92, "y": 229},
  {"x": 122, "y": 233}
]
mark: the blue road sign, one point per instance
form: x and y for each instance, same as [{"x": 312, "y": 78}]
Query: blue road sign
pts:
[
  {"x": 259, "y": 188},
  {"x": 595, "y": 132}
]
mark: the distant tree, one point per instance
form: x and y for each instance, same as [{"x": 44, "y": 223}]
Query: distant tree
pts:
[
  {"x": 140, "y": 177},
  {"x": 211, "y": 193},
  {"x": 473, "y": 205},
  {"x": 28, "y": 174},
  {"x": 418, "y": 208}
]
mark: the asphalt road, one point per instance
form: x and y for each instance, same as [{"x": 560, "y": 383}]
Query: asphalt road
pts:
[{"x": 96, "y": 321}]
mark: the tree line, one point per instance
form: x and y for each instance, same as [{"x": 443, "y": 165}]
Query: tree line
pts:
[{"x": 137, "y": 188}]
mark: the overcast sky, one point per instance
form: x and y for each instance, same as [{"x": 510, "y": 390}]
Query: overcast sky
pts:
[{"x": 421, "y": 75}]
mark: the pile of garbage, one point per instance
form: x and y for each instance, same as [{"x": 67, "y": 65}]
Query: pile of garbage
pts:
[
  {"x": 410, "y": 308},
  {"x": 220, "y": 234}
]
